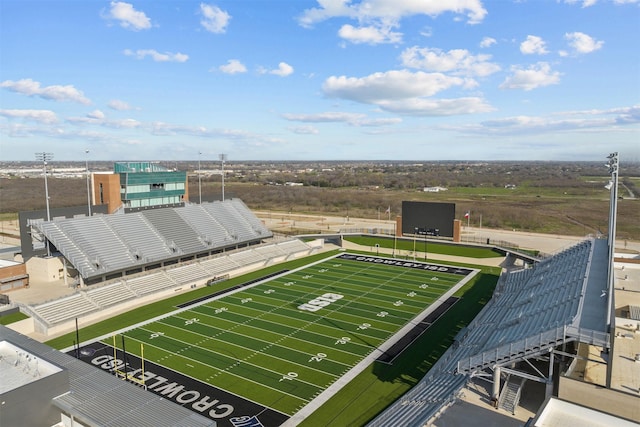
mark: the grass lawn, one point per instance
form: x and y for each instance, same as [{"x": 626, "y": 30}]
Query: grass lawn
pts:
[
  {"x": 13, "y": 317},
  {"x": 436, "y": 248}
]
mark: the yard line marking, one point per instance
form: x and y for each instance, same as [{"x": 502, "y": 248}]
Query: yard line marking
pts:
[
  {"x": 259, "y": 352},
  {"x": 223, "y": 372}
]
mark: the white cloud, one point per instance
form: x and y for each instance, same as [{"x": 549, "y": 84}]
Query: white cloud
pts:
[
  {"x": 585, "y": 3},
  {"x": 119, "y": 105},
  {"x": 533, "y": 45},
  {"x": 215, "y": 20},
  {"x": 378, "y": 87},
  {"x": 353, "y": 119},
  {"x": 571, "y": 121},
  {"x": 390, "y": 11},
  {"x": 283, "y": 70},
  {"x": 405, "y": 92},
  {"x": 582, "y": 43},
  {"x": 96, "y": 114},
  {"x": 487, "y": 42},
  {"x": 30, "y": 87},
  {"x": 128, "y": 17},
  {"x": 326, "y": 117},
  {"x": 157, "y": 56},
  {"x": 537, "y": 75},
  {"x": 40, "y": 116},
  {"x": 437, "y": 107},
  {"x": 369, "y": 34},
  {"x": 457, "y": 61},
  {"x": 233, "y": 66},
  {"x": 304, "y": 130}
]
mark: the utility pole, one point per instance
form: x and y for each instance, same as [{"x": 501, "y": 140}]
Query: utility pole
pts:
[
  {"x": 223, "y": 158},
  {"x": 86, "y": 165}
]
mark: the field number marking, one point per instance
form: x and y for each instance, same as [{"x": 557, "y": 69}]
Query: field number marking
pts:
[
  {"x": 364, "y": 326},
  {"x": 398, "y": 303},
  {"x": 319, "y": 302},
  {"x": 269, "y": 291},
  {"x": 191, "y": 321},
  {"x": 290, "y": 283},
  {"x": 343, "y": 340},
  {"x": 382, "y": 314},
  {"x": 424, "y": 286},
  {"x": 289, "y": 376},
  {"x": 220, "y": 310},
  {"x": 156, "y": 335},
  {"x": 318, "y": 357},
  {"x": 245, "y": 300},
  {"x": 411, "y": 294}
]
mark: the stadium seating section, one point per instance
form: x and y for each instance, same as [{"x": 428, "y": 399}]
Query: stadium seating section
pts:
[
  {"x": 103, "y": 244},
  {"x": 531, "y": 311}
]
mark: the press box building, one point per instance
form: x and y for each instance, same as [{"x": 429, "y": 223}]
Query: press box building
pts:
[{"x": 139, "y": 185}]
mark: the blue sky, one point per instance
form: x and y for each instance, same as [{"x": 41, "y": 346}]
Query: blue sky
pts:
[{"x": 320, "y": 80}]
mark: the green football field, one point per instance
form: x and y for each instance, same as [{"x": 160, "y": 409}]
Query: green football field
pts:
[{"x": 282, "y": 342}]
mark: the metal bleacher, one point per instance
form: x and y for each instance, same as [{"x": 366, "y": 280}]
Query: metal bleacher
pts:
[
  {"x": 104, "y": 246},
  {"x": 148, "y": 244},
  {"x": 93, "y": 299},
  {"x": 205, "y": 225},
  {"x": 183, "y": 239},
  {"x": 531, "y": 311}
]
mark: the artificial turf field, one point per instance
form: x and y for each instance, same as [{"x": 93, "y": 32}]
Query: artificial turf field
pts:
[{"x": 264, "y": 352}]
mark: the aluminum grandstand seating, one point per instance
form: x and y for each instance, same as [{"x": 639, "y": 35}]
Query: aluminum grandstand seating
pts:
[
  {"x": 141, "y": 236},
  {"x": 209, "y": 229},
  {"x": 293, "y": 246},
  {"x": 105, "y": 246},
  {"x": 66, "y": 308},
  {"x": 105, "y": 296},
  {"x": 270, "y": 251},
  {"x": 95, "y": 298},
  {"x": 238, "y": 227},
  {"x": 150, "y": 283},
  {"x": 188, "y": 274},
  {"x": 243, "y": 211},
  {"x": 183, "y": 239},
  {"x": 219, "y": 265},
  {"x": 530, "y": 311},
  {"x": 72, "y": 251},
  {"x": 99, "y": 241},
  {"x": 247, "y": 257}
]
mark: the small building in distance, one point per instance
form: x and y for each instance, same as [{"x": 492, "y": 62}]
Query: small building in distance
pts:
[
  {"x": 434, "y": 189},
  {"x": 139, "y": 185}
]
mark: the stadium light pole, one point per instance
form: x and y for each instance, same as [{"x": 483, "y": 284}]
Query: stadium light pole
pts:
[
  {"x": 44, "y": 158},
  {"x": 612, "y": 186},
  {"x": 199, "y": 178},
  {"x": 415, "y": 234},
  {"x": 86, "y": 166},
  {"x": 223, "y": 158}
]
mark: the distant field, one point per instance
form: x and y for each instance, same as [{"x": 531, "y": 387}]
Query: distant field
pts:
[{"x": 279, "y": 344}]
